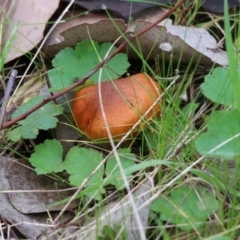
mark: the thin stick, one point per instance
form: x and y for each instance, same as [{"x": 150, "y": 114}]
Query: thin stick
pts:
[{"x": 12, "y": 78}]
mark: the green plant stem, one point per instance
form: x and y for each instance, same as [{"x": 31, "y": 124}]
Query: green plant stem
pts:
[{"x": 8, "y": 45}]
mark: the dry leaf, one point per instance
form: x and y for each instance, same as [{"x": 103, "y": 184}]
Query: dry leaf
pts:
[
  {"x": 22, "y": 177},
  {"x": 180, "y": 43},
  {"x": 122, "y": 9},
  {"x": 217, "y": 6},
  {"x": 32, "y": 16},
  {"x": 28, "y": 226},
  {"x": 167, "y": 41},
  {"x": 95, "y": 26},
  {"x": 126, "y": 8},
  {"x": 34, "y": 85}
]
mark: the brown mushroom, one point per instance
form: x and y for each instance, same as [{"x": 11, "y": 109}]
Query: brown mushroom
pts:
[{"x": 124, "y": 101}]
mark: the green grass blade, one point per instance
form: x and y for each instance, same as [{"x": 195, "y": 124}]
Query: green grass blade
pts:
[
  {"x": 7, "y": 47},
  {"x": 233, "y": 63}
]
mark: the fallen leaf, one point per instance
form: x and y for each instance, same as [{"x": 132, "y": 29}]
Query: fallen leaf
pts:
[
  {"x": 216, "y": 6},
  {"x": 126, "y": 8},
  {"x": 95, "y": 26},
  {"x": 32, "y": 16},
  {"x": 32, "y": 86},
  {"x": 22, "y": 177},
  {"x": 176, "y": 42},
  {"x": 30, "y": 224},
  {"x": 122, "y": 9},
  {"x": 165, "y": 40}
]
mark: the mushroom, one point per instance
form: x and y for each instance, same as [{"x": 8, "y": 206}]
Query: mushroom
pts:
[{"x": 124, "y": 101}]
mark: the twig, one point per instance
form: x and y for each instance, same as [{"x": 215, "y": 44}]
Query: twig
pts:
[
  {"x": 7, "y": 226},
  {"x": 9, "y": 87},
  {"x": 100, "y": 65}
]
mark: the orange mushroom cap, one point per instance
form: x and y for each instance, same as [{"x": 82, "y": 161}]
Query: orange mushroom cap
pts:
[{"x": 124, "y": 101}]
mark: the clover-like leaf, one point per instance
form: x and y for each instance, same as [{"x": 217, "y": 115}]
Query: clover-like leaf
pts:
[
  {"x": 222, "y": 138},
  {"x": 47, "y": 157},
  {"x": 127, "y": 160},
  {"x": 186, "y": 206},
  {"x": 43, "y": 118},
  {"x": 81, "y": 162},
  {"x": 217, "y": 86},
  {"x": 70, "y": 64}
]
